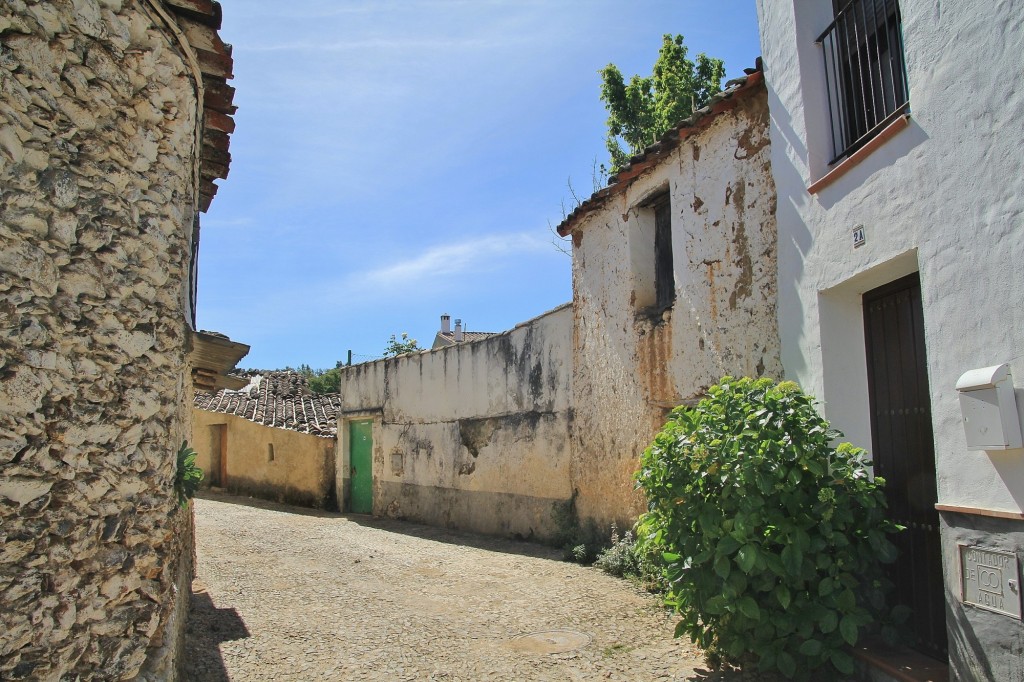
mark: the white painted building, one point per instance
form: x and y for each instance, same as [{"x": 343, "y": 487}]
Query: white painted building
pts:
[{"x": 898, "y": 156}]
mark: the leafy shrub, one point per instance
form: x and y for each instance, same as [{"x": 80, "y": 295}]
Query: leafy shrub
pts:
[
  {"x": 771, "y": 537},
  {"x": 187, "y": 476},
  {"x": 621, "y": 559}
]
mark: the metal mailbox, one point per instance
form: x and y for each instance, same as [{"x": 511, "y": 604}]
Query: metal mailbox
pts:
[{"x": 989, "y": 409}]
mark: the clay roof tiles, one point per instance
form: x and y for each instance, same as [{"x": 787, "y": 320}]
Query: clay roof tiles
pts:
[
  {"x": 280, "y": 399},
  {"x": 199, "y": 21}
]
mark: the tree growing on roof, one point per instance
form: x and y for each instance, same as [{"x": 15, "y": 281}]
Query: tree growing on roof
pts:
[{"x": 641, "y": 111}]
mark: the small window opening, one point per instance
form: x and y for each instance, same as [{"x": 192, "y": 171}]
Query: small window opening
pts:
[
  {"x": 664, "y": 275},
  {"x": 650, "y": 247},
  {"x": 270, "y": 452}
]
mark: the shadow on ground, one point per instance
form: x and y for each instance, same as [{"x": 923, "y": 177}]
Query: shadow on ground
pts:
[
  {"x": 407, "y": 528},
  {"x": 208, "y": 626}
]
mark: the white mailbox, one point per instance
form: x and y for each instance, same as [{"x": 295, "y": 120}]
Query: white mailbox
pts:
[{"x": 989, "y": 409}]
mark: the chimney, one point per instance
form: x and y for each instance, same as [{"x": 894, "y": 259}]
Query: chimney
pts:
[
  {"x": 458, "y": 331},
  {"x": 446, "y": 323}
]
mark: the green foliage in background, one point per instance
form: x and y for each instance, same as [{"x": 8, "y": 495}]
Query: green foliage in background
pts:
[
  {"x": 325, "y": 381},
  {"x": 322, "y": 380},
  {"x": 771, "y": 536},
  {"x": 187, "y": 476},
  {"x": 397, "y": 347},
  {"x": 641, "y": 111}
]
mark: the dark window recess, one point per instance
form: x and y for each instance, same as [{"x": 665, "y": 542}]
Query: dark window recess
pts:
[
  {"x": 865, "y": 71},
  {"x": 664, "y": 276}
]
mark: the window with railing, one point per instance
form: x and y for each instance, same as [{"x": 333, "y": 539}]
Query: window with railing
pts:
[{"x": 864, "y": 70}]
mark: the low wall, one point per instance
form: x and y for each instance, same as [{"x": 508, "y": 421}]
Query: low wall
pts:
[
  {"x": 473, "y": 436},
  {"x": 266, "y": 462}
]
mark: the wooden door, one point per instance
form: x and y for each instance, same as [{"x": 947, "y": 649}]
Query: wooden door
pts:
[
  {"x": 360, "y": 439},
  {"x": 904, "y": 452}
]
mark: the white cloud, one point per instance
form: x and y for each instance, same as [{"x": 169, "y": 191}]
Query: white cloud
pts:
[{"x": 442, "y": 264}]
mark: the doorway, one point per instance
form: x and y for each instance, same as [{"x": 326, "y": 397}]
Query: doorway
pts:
[
  {"x": 218, "y": 473},
  {"x": 904, "y": 453},
  {"x": 360, "y": 448}
]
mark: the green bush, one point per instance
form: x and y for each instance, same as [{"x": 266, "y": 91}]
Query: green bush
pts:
[
  {"x": 187, "y": 475},
  {"x": 621, "y": 559},
  {"x": 771, "y": 536}
]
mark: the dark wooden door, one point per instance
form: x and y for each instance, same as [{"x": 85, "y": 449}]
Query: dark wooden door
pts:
[{"x": 904, "y": 452}]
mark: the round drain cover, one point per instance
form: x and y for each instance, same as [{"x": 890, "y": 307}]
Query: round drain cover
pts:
[{"x": 550, "y": 642}]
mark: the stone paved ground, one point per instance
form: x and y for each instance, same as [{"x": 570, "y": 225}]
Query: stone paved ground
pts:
[{"x": 291, "y": 594}]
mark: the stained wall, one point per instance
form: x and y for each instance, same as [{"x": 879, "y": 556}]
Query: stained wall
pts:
[
  {"x": 633, "y": 363},
  {"x": 472, "y": 436}
]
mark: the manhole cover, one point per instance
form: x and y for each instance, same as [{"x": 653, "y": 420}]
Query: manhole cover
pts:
[{"x": 550, "y": 642}]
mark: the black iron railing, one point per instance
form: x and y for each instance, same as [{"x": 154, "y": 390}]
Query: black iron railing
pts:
[{"x": 865, "y": 72}]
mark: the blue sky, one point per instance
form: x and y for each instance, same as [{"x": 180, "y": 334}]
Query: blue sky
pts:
[{"x": 394, "y": 161}]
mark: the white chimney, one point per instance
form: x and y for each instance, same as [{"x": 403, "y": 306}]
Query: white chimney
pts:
[
  {"x": 458, "y": 331},
  {"x": 446, "y": 323}
]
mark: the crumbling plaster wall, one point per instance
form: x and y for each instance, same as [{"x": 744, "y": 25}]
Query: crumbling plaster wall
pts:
[
  {"x": 632, "y": 364},
  {"x": 98, "y": 154},
  {"x": 264, "y": 461},
  {"x": 473, "y": 436}
]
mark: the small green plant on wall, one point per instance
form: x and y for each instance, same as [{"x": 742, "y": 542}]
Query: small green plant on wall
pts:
[
  {"x": 188, "y": 476},
  {"x": 771, "y": 536}
]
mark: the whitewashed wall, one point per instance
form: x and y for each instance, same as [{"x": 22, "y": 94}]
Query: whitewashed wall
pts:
[
  {"x": 473, "y": 436},
  {"x": 943, "y": 197},
  {"x": 630, "y": 367}
]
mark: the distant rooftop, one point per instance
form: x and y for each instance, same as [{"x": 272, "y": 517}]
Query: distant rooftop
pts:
[
  {"x": 450, "y": 337},
  {"x": 277, "y": 398}
]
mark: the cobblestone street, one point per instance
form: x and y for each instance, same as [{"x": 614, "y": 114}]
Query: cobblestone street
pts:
[{"x": 291, "y": 594}]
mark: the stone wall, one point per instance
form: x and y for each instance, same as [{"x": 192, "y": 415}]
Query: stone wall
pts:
[
  {"x": 472, "y": 436},
  {"x": 632, "y": 363},
  {"x": 98, "y": 182},
  {"x": 274, "y": 464}
]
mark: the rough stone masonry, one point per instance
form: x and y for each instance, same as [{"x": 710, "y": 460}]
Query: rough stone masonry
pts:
[{"x": 98, "y": 194}]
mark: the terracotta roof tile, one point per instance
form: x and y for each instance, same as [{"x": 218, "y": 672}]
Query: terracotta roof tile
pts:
[
  {"x": 199, "y": 21},
  {"x": 448, "y": 338},
  {"x": 280, "y": 399}
]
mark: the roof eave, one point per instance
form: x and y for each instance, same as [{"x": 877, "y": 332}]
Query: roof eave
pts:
[{"x": 654, "y": 154}]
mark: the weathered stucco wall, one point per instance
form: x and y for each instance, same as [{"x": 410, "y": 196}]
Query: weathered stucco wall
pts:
[
  {"x": 262, "y": 461},
  {"x": 941, "y": 198},
  {"x": 631, "y": 364},
  {"x": 98, "y": 122},
  {"x": 473, "y": 436}
]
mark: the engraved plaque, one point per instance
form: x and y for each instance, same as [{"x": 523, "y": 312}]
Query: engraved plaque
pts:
[{"x": 990, "y": 579}]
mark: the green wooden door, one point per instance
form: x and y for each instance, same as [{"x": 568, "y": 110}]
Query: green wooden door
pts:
[{"x": 360, "y": 448}]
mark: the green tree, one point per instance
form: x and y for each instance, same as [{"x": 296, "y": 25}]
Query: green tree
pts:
[
  {"x": 641, "y": 111},
  {"x": 325, "y": 381},
  {"x": 397, "y": 347}
]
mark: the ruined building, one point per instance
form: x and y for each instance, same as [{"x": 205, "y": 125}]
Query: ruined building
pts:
[{"x": 114, "y": 120}]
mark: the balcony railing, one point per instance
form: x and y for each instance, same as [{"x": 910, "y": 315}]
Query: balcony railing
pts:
[{"x": 865, "y": 72}]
